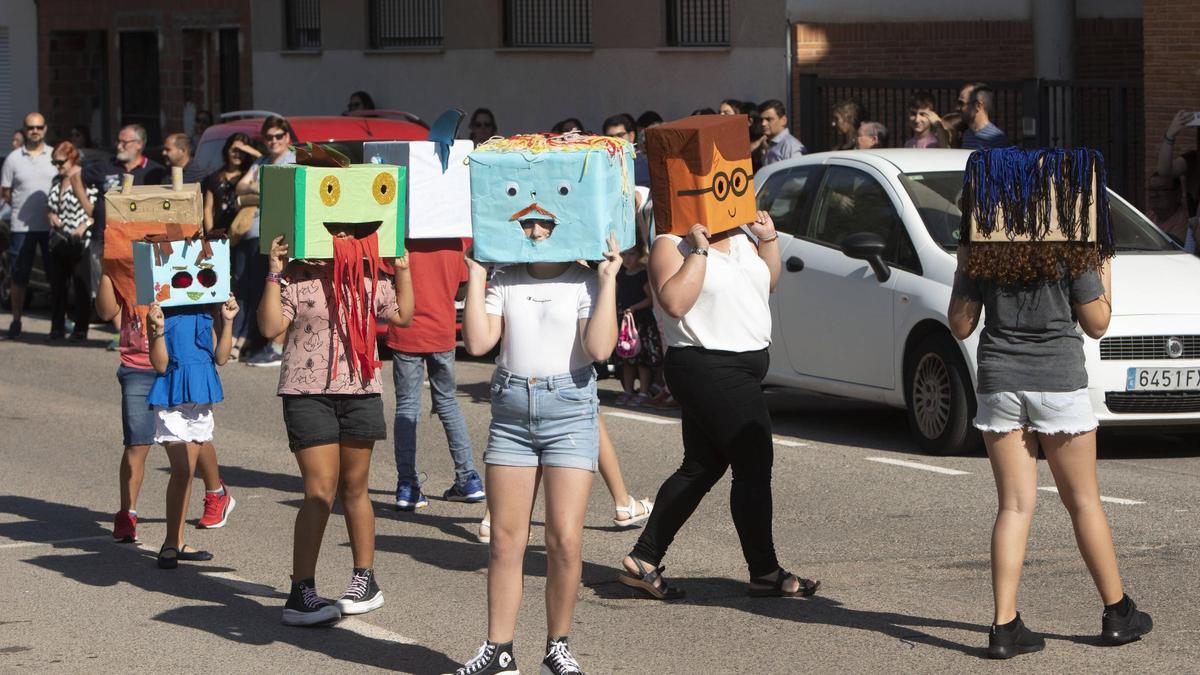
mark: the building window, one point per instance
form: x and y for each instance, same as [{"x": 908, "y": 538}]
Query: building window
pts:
[
  {"x": 698, "y": 23},
  {"x": 547, "y": 23},
  {"x": 302, "y": 19},
  {"x": 396, "y": 24}
]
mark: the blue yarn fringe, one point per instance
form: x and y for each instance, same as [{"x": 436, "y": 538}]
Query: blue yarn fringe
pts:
[{"x": 1007, "y": 190}]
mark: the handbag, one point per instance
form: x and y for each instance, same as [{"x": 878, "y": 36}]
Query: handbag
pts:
[
  {"x": 629, "y": 344},
  {"x": 241, "y": 224}
]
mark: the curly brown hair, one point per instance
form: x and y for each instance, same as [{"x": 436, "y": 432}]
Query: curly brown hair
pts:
[{"x": 1013, "y": 264}]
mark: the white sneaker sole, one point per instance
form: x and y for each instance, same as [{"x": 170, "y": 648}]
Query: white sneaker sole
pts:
[
  {"x": 361, "y": 607},
  {"x": 325, "y": 615},
  {"x": 224, "y": 519}
]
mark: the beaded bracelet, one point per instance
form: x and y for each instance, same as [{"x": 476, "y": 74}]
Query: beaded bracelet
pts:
[{"x": 274, "y": 277}]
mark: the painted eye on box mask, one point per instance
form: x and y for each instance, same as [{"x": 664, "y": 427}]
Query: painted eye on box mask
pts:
[
  {"x": 511, "y": 188},
  {"x": 384, "y": 188},
  {"x": 330, "y": 190},
  {"x": 182, "y": 280},
  {"x": 564, "y": 188},
  {"x": 207, "y": 278}
]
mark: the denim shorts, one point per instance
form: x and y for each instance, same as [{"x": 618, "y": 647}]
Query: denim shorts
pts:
[
  {"x": 544, "y": 421},
  {"x": 1046, "y": 412},
  {"x": 318, "y": 419},
  {"x": 137, "y": 417},
  {"x": 22, "y": 247}
]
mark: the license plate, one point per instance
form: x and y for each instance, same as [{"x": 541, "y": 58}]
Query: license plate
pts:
[{"x": 1162, "y": 379}]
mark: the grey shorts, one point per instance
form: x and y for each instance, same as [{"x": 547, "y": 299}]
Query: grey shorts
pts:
[{"x": 1046, "y": 412}]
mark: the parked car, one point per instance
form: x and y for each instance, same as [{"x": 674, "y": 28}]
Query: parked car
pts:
[
  {"x": 867, "y": 239},
  {"x": 346, "y": 133}
]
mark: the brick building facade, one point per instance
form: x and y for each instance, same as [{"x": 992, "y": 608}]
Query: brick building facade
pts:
[
  {"x": 1172, "y": 69},
  {"x": 108, "y": 62}
]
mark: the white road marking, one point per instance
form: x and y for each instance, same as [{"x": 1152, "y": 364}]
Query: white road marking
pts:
[
  {"x": 918, "y": 465},
  {"x": 74, "y": 540},
  {"x": 786, "y": 442},
  {"x": 642, "y": 418},
  {"x": 1110, "y": 500},
  {"x": 368, "y": 630}
]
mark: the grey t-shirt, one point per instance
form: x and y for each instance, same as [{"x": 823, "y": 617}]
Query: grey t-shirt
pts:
[{"x": 1029, "y": 340}]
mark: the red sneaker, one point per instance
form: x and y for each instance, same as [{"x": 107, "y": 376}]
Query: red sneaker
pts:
[
  {"x": 216, "y": 509},
  {"x": 125, "y": 527}
]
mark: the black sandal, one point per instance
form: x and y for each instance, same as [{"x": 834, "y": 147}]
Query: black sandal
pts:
[
  {"x": 651, "y": 582},
  {"x": 807, "y": 586},
  {"x": 166, "y": 562}
]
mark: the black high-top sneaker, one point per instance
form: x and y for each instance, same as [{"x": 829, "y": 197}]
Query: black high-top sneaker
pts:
[
  {"x": 1013, "y": 638},
  {"x": 1122, "y": 627},
  {"x": 492, "y": 659},
  {"x": 362, "y": 595},
  {"x": 305, "y": 608},
  {"x": 559, "y": 660}
]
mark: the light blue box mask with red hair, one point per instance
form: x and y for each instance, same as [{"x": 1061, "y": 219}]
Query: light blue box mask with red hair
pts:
[{"x": 581, "y": 183}]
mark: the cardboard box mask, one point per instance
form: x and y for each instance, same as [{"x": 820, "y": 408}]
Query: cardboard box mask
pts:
[
  {"x": 299, "y": 202},
  {"x": 584, "y": 184},
  {"x": 700, "y": 172},
  {"x": 181, "y": 273},
  {"x": 438, "y": 189},
  {"x": 134, "y": 212},
  {"x": 1034, "y": 212}
]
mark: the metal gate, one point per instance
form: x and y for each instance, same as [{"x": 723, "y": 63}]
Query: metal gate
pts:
[{"x": 1102, "y": 114}]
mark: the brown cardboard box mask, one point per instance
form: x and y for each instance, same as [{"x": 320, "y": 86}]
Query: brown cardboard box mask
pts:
[{"x": 700, "y": 172}]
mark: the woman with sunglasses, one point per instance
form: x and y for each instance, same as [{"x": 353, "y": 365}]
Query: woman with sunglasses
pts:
[
  {"x": 483, "y": 125},
  {"x": 71, "y": 205},
  {"x": 712, "y": 296},
  {"x": 251, "y": 266}
]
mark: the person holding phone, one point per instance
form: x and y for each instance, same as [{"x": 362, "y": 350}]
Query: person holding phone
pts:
[{"x": 1186, "y": 165}]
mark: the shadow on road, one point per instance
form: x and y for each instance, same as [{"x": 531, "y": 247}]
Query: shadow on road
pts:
[{"x": 247, "y": 614}]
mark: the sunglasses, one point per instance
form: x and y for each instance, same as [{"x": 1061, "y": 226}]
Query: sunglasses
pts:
[
  {"x": 722, "y": 184},
  {"x": 58, "y": 162},
  {"x": 276, "y": 137},
  {"x": 206, "y": 277},
  {"x": 35, "y": 127}
]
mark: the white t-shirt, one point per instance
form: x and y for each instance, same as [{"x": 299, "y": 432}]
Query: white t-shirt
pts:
[
  {"x": 541, "y": 319},
  {"x": 732, "y": 312}
]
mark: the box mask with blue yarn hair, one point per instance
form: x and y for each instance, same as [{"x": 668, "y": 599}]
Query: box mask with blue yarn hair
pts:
[
  {"x": 581, "y": 184},
  {"x": 181, "y": 272}
]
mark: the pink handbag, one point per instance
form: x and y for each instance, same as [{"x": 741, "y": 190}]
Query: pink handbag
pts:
[{"x": 629, "y": 344}]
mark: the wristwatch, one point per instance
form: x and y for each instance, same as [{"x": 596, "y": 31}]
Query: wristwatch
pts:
[{"x": 700, "y": 251}]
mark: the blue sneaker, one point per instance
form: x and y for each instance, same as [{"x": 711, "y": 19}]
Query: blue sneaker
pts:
[
  {"x": 469, "y": 490},
  {"x": 409, "y": 497}
]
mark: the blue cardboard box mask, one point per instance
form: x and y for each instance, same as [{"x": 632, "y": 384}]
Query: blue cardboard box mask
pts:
[
  {"x": 581, "y": 184},
  {"x": 181, "y": 272}
]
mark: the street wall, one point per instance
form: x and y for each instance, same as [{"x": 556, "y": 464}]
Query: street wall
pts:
[{"x": 18, "y": 18}]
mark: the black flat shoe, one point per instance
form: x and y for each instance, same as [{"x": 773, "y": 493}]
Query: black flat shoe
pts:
[
  {"x": 169, "y": 557},
  {"x": 1011, "y": 639}
]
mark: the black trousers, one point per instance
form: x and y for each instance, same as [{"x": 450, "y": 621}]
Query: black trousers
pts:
[
  {"x": 71, "y": 270},
  {"x": 725, "y": 424}
]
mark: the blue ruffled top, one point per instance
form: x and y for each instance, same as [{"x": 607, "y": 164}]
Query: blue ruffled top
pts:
[{"x": 191, "y": 375}]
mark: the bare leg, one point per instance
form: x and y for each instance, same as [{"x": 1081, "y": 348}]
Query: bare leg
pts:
[
  {"x": 610, "y": 467},
  {"x": 566, "y": 504},
  {"x": 132, "y": 470},
  {"x": 210, "y": 472},
  {"x": 1072, "y": 460},
  {"x": 644, "y": 379},
  {"x": 511, "y": 493},
  {"x": 319, "y": 468},
  {"x": 1014, "y": 466},
  {"x": 356, "y": 500},
  {"x": 179, "y": 489},
  {"x": 627, "y": 373}
]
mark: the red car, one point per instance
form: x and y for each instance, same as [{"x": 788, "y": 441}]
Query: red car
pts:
[{"x": 346, "y": 133}]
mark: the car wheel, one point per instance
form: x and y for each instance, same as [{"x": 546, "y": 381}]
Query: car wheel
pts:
[{"x": 939, "y": 399}]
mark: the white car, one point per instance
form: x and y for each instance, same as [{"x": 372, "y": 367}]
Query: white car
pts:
[{"x": 867, "y": 240}]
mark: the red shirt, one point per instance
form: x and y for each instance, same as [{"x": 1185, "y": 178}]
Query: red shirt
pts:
[{"x": 437, "y": 269}]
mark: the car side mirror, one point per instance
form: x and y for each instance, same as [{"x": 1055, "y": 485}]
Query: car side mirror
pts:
[{"x": 868, "y": 246}]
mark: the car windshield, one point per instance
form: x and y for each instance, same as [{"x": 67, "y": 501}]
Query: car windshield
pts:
[
  {"x": 208, "y": 155},
  {"x": 936, "y": 193}
]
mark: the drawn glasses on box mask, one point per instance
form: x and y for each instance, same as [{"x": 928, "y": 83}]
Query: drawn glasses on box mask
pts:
[
  {"x": 737, "y": 182},
  {"x": 206, "y": 277}
]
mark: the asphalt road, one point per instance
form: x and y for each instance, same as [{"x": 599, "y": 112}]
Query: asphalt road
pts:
[{"x": 902, "y": 550}]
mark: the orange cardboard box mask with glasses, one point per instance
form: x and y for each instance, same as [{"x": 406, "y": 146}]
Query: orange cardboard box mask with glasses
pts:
[{"x": 700, "y": 172}]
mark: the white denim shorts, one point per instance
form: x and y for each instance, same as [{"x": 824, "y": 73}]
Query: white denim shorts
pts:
[
  {"x": 1046, "y": 412},
  {"x": 186, "y": 423}
]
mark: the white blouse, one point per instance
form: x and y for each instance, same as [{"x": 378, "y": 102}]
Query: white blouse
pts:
[{"x": 732, "y": 312}]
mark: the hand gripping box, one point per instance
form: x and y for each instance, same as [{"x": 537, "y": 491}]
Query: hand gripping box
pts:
[
  {"x": 302, "y": 202},
  {"x": 700, "y": 172},
  {"x": 181, "y": 272},
  {"x": 582, "y": 184},
  {"x": 438, "y": 189}
]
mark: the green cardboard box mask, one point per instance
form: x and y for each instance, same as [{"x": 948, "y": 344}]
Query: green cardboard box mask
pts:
[{"x": 303, "y": 202}]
